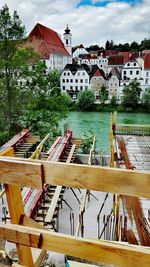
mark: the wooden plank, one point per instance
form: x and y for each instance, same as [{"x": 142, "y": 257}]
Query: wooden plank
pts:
[
  {"x": 105, "y": 179},
  {"x": 71, "y": 153},
  {"x": 80, "y": 264},
  {"x": 7, "y": 152},
  {"x": 53, "y": 204},
  {"x": 18, "y": 265},
  {"x": 14, "y": 200},
  {"x": 21, "y": 173},
  {"x": 98, "y": 251},
  {"x": 134, "y": 125}
]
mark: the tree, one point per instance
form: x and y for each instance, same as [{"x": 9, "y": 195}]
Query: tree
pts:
[
  {"x": 29, "y": 95},
  {"x": 12, "y": 34},
  {"x": 132, "y": 94},
  {"x": 134, "y": 46},
  {"x": 113, "y": 101},
  {"x": 86, "y": 100},
  {"x": 103, "y": 94},
  {"x": 145, "y": 44},
  {"x": 146, "y": 99}
]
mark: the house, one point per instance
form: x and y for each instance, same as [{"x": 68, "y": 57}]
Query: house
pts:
[
  {"x": 114, "y": 78},
  {"x": 80, "y": 51},
  {"x": 146, "y": 72},
  {"x": 75, "y": 78},
  {"x": 98, "y": 80},
  {"x": 48, "y": 44},
  {"x": 115, "y": 61}
]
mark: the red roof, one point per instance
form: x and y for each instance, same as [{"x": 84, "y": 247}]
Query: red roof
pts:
[
  {"x": 97, "y": 73},
  {"x": 45, "y": 41},
  {"x": 147, "y": 61},
  {"x": 116, "y": 60}
]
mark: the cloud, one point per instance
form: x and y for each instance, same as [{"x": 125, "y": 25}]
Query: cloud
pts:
[{"x": 118, "y": 21}]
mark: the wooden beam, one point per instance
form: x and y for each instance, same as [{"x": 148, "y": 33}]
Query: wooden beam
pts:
[
  {"x": 14, "y": 200},
  {"x": 97, "y": 251},
  {"x": 105, "y": 179},
  {"x": 134, "y": 125},
  {"x": 71, "y": 153},
  {"x": 21, "y": 173},
  {"x": 53, "y": 204}
]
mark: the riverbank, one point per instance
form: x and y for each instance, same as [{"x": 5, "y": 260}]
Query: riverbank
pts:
[{"x": 109, "y": 108}]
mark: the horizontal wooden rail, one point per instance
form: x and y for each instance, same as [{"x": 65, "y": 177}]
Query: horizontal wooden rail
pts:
[
  {"x": 22, "y": 173},
  {"x": 29, "y": 173},
  {"x": 94, "y": 250},
  {"x": 134, "y": 125}
]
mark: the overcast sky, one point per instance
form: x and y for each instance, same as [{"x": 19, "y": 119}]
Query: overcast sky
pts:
[{"x": 90, "y": 21}]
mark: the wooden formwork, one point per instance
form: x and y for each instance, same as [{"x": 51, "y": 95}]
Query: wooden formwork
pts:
[{"x": 26, "y": 233}]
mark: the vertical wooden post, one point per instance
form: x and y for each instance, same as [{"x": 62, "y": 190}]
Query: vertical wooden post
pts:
[{"x": 14, "y": 200}]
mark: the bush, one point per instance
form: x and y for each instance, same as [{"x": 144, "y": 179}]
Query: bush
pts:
[{"x": 86, "y": 100}]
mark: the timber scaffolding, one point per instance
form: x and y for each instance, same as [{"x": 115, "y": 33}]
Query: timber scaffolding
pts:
[
  {"x": 130, "y": 149},
  {"x": 27, "y": 234}
]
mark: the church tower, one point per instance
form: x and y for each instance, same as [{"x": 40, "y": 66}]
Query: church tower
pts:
[{"x": 68, "y": 40}]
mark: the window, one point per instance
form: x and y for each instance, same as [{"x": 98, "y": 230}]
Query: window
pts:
[
  {"x": 128, "y": 64},
  {"x": 147, "y": 74},
  {"x": 76, "y": 87},
  {"x": 124, "y": 72},
  {"x": 86, "y": 87},
  {"x": 81, "y": 87},
  {"x": 64, "y": 73},
  {"x": 67, "y": 81},
  {"x": 131, "y": 72},
  {"x": 78, "y": 73},
  {"x": 63, "y": 80},
  {"x": 115, "y": 84},
  {"x": 137, "y": 72},
  {"x": 76, "y": 80},
  {"x": 67, "y": 42},
  {"x": 71, "y": 80},
  {"x": 83, "y": 73},
  {"x": 71, "y": 87},
  {"x": 134, "y": 64},
  {"x": 146, "y": 81},
  {"x": 81, "y": 80},
  {"x": 63, "y": 88},
  {"x": 68, "y": 73}
]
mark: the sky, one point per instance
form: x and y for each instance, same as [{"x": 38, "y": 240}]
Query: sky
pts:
[{"x": 91, "y": 21}]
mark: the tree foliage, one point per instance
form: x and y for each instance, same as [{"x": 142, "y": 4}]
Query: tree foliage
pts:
[
  {"x": 146, "y": 99},
  {"x": 132, "y": 93},
  {"x": 29, "y": 95},
  {"x": 86, "y": 100},
  {"x": 103, "y": 94},
  {"x": 87, "y": 141}
]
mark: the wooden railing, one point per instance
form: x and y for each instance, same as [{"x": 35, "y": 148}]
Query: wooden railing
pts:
[{"x": 26, "y": 233}]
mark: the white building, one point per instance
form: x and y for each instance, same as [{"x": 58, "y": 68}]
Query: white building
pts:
[
  {"x": 74, "y": 78},
  {"x": 146, "y": 72},
  {"x": 80, "y": 51},
  {"x": 48, "y": 44}
]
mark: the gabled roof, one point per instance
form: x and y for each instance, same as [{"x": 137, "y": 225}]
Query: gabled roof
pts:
[
  {"x": 45, "y": 41},
  {"x": 147, "y": 61},
  {"x": 97, "y": 72},
  {"x": 114, "y": 71}
]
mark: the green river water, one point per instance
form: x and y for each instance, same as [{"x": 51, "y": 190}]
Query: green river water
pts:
[{"x": 98, "y": 123}]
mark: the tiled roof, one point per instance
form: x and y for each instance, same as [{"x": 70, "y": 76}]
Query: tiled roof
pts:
[
  {"x": 45, "y": 41},
  {"x": 114, "y": 71},
  {"x": 116, "y": 60},
  {"x": 147, "y": 61}
]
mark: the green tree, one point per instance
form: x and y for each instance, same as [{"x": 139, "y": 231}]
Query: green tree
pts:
[
  {"x": 103, "y": 94},
  {"x": 132, "y": 94},
  {"x": 113, "y": 101},
  {"x": 29, "y": 95},
  {"x": 86, "y": 100},
  {"x": 145, "y": 44},
  {"x": 134, "y": 46},
  {"x": 12, "y": 33},
  {"x": 146, "y": 99}
]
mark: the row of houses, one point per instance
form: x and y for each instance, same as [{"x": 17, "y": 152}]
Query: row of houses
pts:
[
  {"x": 77, "y": 77},
  {"x": 88, "y": 71}
]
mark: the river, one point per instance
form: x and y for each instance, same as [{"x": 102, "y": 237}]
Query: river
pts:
[{"x": 98, "y": 123}]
